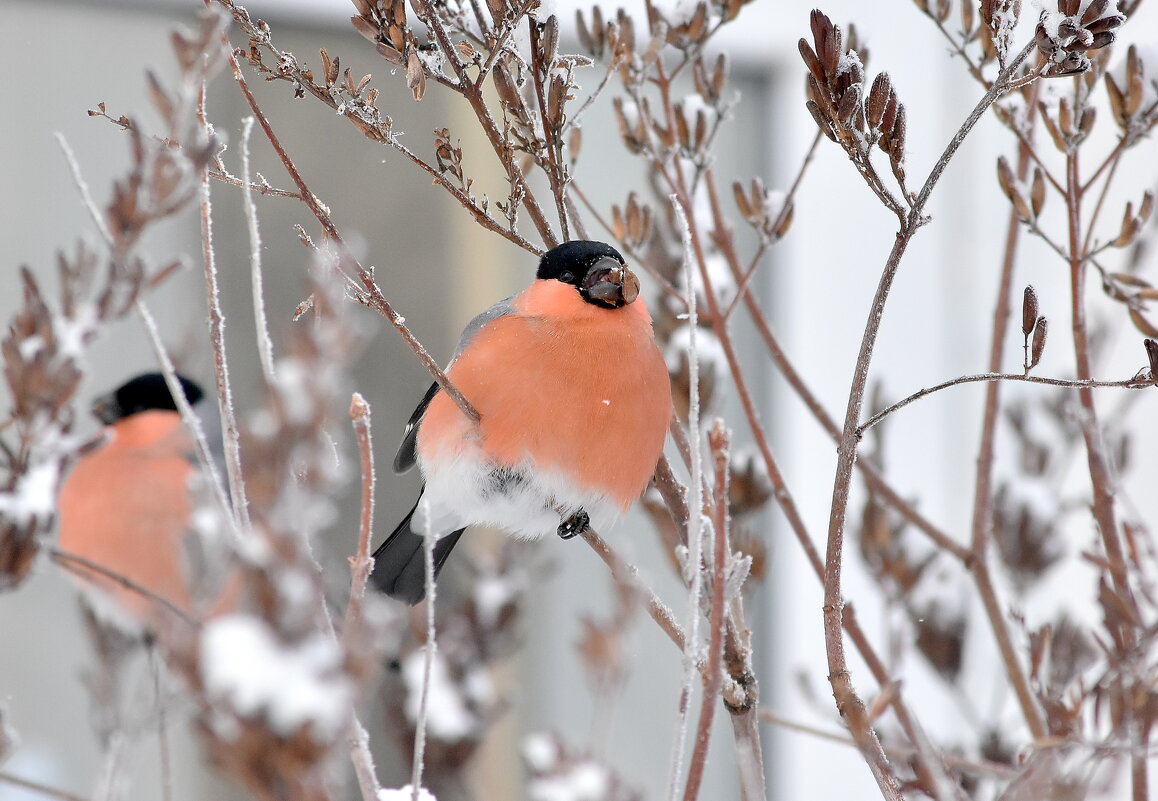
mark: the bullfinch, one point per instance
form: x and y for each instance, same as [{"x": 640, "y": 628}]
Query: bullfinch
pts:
[
  {"x": 574, "y": 402},
  {"x": 125, "y": 506}
]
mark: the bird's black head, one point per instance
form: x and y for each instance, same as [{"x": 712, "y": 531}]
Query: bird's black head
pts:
[
  {"x": 144, "y": 393},
  {"x": 595, "y": 269}
]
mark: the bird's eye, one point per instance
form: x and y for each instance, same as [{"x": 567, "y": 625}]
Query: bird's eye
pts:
[{"x": 566, "y": 276}]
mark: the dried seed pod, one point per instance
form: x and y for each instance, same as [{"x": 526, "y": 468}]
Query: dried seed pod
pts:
[
  {"x": 1065, "y": 116},
  {"x": 849, "y": 104},
  {"x": 1147, "y": 207},
  {"x": 549, "y": 40},
  {"x": 1037, "y": 191},
  {"x": 574, "y": 143},
  {"x": 1106, "y": 24},
  {"x": 556, "y": 98},
  {"x": 1142, "y": 323},
  {"x": 1152, "y": 356},
  {"x": 389, "y": 53},
  {"x": 819, "y": 117},
  {"x": 701, "y": 135},
  {"x": 812, "y": 61},
  {"x": 1005, "y": 178},
  {"x": 899, "y": 129},
  {"x": 585, "y": 38},
  {"x": 364, "y": 26},
  {"x": 1055, "y": 132},
  {"x": 1135, "y": 90},
  {"x": 415, "y": 76},
  {"x": 1086, "y": 122},
  {"x": 397, "y": 38},
  {"x": 781, "y": 223},
  {"x": 505, "y": 86},
  {"x": 681, "y": 125},
  {"x": 719, "y": 75},
  {"x": 1037, "y": 347},
  {"x": 877, "y": 100},
  {"x": 1131, "y": 226},
  {"x": 742, "y": 200},
  {"x": 1028, "y": 310}
]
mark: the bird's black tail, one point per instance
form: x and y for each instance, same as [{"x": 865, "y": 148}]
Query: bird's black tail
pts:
[{"x": 399, "y": 569}]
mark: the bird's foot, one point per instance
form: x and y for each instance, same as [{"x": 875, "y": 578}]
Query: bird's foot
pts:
[{"x": 575, "y": 524}]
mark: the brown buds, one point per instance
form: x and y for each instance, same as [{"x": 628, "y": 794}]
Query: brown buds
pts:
[
  {"x": 846, "y": 110},
  {"x": 1028, "y": 310},
  {"x": 1014, "y": 190},
  {"x": 710, "y": 87},
  {"x": 1066, "y": 42},
  {"x": 1037, "y": 347},
  {"x": 1152, "y": 356},
  {"x": 764, "y": 209},
  {"x": 1032, "y": 323},
  {"x": 1037, "y": 191},
  {"x": 415, "y": 75},
  {"x": 1132, "y": 223},
  {"x": 632, "y": 225}
]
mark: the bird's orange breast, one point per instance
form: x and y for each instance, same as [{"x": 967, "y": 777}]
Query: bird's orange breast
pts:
[
  {"x": 126, "y": 507},
  {"x": 572, "y": 387}
]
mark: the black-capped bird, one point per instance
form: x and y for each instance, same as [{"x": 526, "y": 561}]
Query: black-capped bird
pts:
[{"x": 574, "y": 402}]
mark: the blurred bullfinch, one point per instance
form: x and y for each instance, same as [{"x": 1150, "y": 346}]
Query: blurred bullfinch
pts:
[
  {"x": 574, "y": 401},
  {"x": 125, "y": 506}
]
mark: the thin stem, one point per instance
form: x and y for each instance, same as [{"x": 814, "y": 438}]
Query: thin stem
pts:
[
  {"x": 264, "y": 343},
  {"x": 719, "y": 442},
  {"x": 361, "y": 564},
  {"x": 231, "y": 438},
  {"x": 262, "y": 189},
  {"x": 697, "y": 524},
  {"x": 188, "y": 416},
  {"x": 977, "y": 767},
  {"x": 82, "y": 187},
  {"x": 1102, "y": 483},
  {"x": 162, "y": 726},
  {"x": 1129, "y": 383},
  {"x": 428, "y": 539},
  {"x": 1114, "y": 160},
  {"x": 363, "y": 761},
  {"x": 78, "y": 565}
]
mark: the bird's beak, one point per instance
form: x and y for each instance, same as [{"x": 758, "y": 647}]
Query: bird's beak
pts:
[
  {"x": 616, "y": 286},
  {"x": 106, "y": 409}
]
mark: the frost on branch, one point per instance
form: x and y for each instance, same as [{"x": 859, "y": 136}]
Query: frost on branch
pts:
[{"x": 1069, "y": 29}]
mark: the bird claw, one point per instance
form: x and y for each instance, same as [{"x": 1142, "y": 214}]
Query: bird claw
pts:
[{"x": 575, "y": 524}]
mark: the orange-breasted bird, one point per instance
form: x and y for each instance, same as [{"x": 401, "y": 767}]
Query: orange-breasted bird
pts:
[
  {"x": 574, "y": 402},
  {"x": 125, "y": 505}
]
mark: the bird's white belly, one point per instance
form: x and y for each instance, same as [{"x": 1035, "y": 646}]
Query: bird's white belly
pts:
[{"x": 526, "y": 502}]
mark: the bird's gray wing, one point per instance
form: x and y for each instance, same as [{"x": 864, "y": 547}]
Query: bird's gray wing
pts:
[{"x": 406, "y": 456}]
